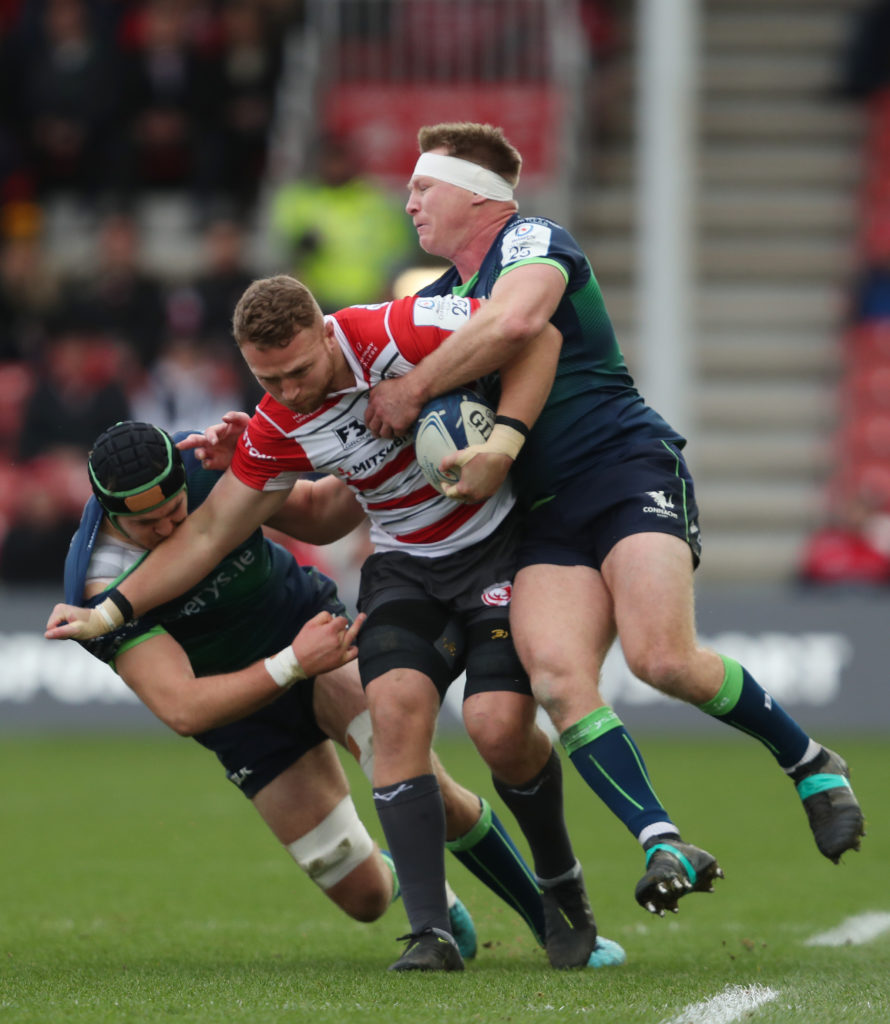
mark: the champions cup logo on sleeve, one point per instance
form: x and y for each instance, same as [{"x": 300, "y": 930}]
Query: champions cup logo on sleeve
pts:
[
  {"x": 525, "y": 241},
  {"x": 498, "y": 594},
  {"x": 447, "y": 312}
]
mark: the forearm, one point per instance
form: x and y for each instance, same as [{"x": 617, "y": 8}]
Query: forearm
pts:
[
  {"x": 180, "y": 562},
  {"x": 318, "y": 512},
  {"x": 160, "y": 674},
  {"x": 526, "y": 382},
  {"x": 489, "y": 340},
  {"x": 193, "y": 705},
  {"x": 527, "y": 379},
  {"x": 229, "y": 514}
]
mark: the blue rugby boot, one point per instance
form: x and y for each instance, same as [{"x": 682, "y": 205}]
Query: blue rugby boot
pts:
[{"x": 606, "y": 953}]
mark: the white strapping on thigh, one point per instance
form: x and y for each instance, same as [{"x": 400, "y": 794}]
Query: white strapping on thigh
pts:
[{"x": 334, "y": 847}]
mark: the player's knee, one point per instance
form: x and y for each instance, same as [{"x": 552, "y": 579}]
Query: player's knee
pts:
[
  {"x": 366, "y": 893},
  {"x": 662, "y": 666},
  {"x": 502, "y": 728},
  {"x": 333, "y": 851}
]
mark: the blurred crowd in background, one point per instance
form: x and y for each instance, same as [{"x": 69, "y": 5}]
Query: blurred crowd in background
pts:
[
  {"x": 851, "y": 548},
  {"x": 105, "y": 102}
]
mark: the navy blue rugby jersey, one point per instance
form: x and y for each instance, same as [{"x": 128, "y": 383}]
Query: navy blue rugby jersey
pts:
[
  {"x": 594, "y": 413},
  {"x": 251, "y": 605}
]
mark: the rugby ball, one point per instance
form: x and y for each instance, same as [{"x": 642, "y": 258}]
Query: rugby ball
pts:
[{"x": 452, "y": 421}]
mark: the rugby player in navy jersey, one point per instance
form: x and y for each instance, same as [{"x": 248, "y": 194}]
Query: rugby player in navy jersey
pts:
[
  {"x": 436, "y": 592},
  {"x": 255, "y": 661},
  {"x": 611, "y": 534}
]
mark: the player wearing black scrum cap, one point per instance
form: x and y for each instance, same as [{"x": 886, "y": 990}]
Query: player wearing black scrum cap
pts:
[{"x": 206, "y": 664}]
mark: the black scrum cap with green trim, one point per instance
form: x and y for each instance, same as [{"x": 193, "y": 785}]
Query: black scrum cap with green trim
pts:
[{"x": 134, "y": 468}]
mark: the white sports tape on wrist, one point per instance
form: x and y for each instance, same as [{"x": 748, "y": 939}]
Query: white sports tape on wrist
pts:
[
  {"x": 110, "y": 614},
  {"x": 505, "y": 440},
  {"x": 284, "y": 668},
  {"x": 335, "y": 847},
  {"x": 360, "y": 740}
]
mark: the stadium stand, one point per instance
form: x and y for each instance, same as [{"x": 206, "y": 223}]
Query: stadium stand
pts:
[{"x": 781, "y": 161}]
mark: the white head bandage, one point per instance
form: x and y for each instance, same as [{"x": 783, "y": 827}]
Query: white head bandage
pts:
[{"x": 464, "y": 174}]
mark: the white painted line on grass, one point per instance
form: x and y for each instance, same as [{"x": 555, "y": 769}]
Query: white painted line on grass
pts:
[
  {"x": 854, "y": 931},
  {"x": 734, "y": 1002}
]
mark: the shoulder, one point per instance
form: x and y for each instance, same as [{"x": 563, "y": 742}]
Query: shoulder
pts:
[
  {"x": 80, "y": 551},
  {"x": 268, "y": 454},
  {"x": 538, "y": 240},
  {"x": 535, "y": 236}
]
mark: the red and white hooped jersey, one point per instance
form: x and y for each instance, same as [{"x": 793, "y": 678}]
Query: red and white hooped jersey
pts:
[{"x": 406, "y": 513}]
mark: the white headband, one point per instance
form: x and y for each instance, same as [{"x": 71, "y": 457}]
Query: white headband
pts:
[{"x": 464, "y": 174}]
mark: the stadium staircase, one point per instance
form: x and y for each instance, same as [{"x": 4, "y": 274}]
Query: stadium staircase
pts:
[{"x": 776, "y": 210}]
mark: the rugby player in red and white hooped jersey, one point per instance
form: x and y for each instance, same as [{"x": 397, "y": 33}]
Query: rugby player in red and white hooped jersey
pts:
[
  {"x": 436, "y": 590},
  {"x": 295, "y": 430}
]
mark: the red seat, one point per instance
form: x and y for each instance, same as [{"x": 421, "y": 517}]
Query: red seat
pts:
[
  {"x": 865, "y": 436},
  {"x": 865, "y": 389},
  {"x": 868, "y": 342}
]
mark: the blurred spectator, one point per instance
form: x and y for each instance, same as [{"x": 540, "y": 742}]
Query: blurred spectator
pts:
[
  {"x": 64, "y": 101},
  {"x": 116, "y": 295},
  {"x": 48, "y": 502},
  {"x": 203, "y": 307},
  {"x": 218, "y": 286},
  {"x": 244, "y": 79},
  {"x": 329, "y": 226},
  {"x": 166, "y": 96},
  {"x": 74, "y": 398},
  {"x": 17, "y": 380},
  {"x": 189, "y": 386},
  {"x": 29, "y": 290},
  {"x": 77, "y": 394},
  {"x": 865, "y": 60},
  {"x": 851, "y": 547}
]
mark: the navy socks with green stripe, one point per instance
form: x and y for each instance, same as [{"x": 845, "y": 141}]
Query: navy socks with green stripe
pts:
[
  {"x": 609, "y": 761},
  {"x": 488, "y": 852},
  {"x": 743, "y": 703}
]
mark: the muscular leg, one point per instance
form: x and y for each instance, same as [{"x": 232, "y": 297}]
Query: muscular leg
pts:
[
  {"x": 404, "y": 705},
  {"x": 527, "y": 774},
  {"x": 650, "y": 579},
  {"x": 562, "y": 620},
  {"x": 474, "y": 834},
  {"x": 299, "y": 801}
]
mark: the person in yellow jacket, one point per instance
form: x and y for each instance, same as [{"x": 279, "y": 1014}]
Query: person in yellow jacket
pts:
[{"x": 345, "y": 237}]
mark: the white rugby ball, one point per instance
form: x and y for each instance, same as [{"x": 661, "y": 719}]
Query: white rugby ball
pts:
[{"x": 452, "y": 421}]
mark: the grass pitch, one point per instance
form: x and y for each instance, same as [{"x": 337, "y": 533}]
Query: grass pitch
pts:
[{"x": 137, "y": 886}]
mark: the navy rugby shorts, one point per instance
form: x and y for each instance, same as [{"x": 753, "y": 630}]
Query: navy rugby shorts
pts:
[
  {"x": 257, "y": 749},
  {"x": 650, "y": 490}
]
